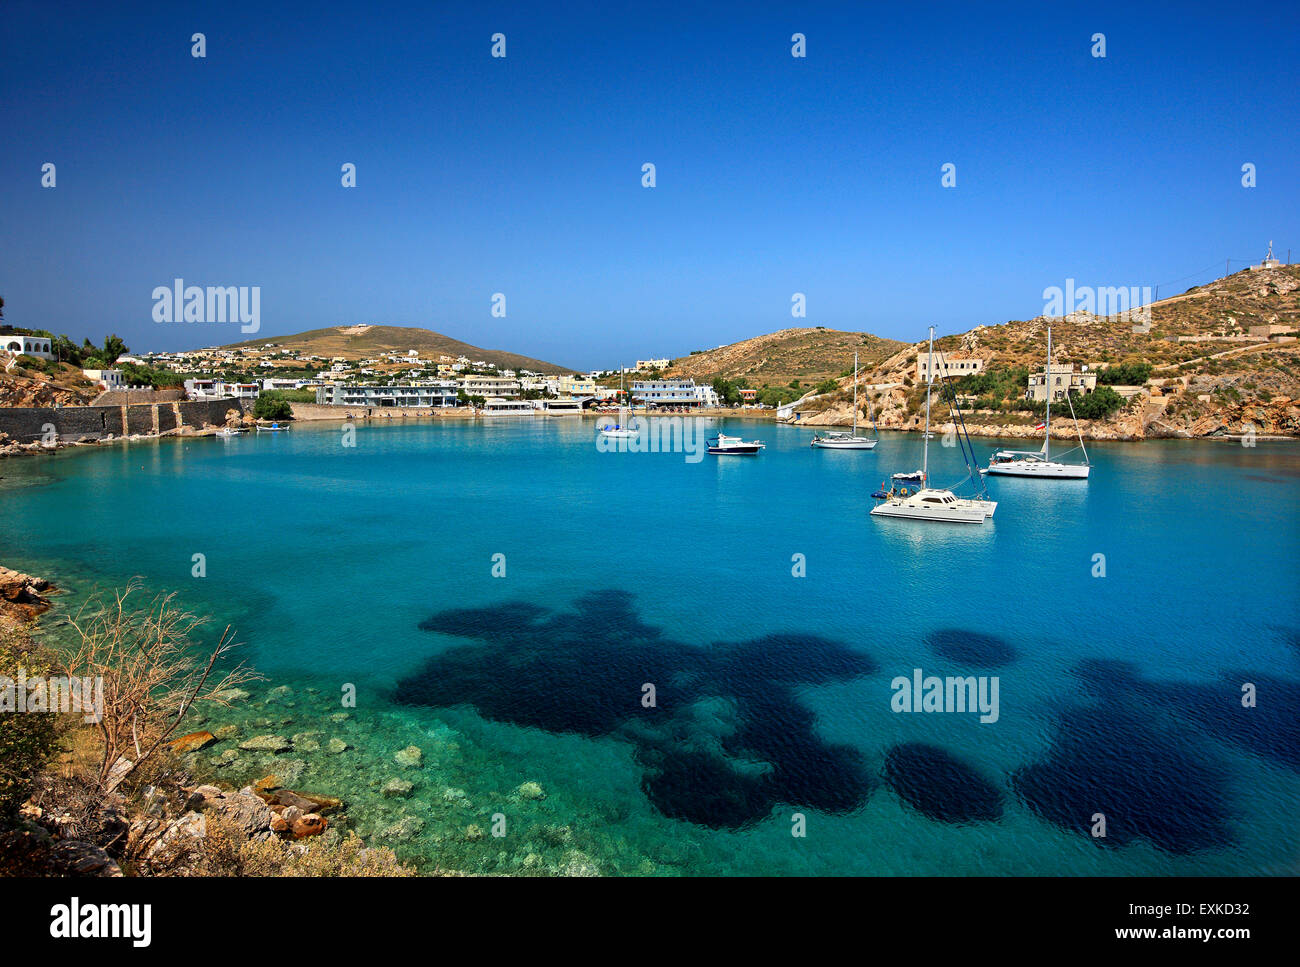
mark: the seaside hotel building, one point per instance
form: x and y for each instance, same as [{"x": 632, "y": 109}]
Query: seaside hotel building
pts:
[
  {"x": 673, "y": 392},
  {"x": 437, "y": 394}
]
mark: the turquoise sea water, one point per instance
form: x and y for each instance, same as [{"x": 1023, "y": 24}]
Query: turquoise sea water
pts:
[{"x": 373, "y": 565}]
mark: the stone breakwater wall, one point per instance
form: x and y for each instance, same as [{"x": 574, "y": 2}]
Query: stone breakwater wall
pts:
[
  {"x": 80, "y": 424},
  {"x": 120, "y": 396}
]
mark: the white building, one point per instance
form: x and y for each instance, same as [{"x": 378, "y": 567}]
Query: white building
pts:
[
  {"x": 652, "y": 363},
  {"x": 108, "y": 378},
  {"x": 415, "y": 395},
  {"x": 490, "y": 386},
  {"x": 667, "y": 392},
  {"x": 211, "y": 389},
  {"x": 707, "y": 395},
  {"x": 1269, "y": 261},
  {"x": 496, "y": 405},
  {"x": 22, "y": 344},
  {"x": 944, "y": 365}
]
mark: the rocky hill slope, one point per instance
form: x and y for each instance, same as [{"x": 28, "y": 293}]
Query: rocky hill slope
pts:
[
  {"x": 363, "y": 341},
  {"x": 31, "y": 385},
  {"x": 1224, "y": 383},
  {"x": 808, "y": 355}
]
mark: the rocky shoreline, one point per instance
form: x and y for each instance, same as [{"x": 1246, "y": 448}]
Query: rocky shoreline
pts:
[
  {"x": 79, "y": 836},
  {"x": 289, "y": 783},
  {"x": 1279, "y": 419}
]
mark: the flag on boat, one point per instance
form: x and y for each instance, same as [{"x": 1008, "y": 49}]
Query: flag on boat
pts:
[{"x": 1039, "y": 427}]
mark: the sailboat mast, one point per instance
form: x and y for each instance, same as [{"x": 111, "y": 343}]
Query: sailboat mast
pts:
[
  {"x": 1047, "y": 423},
  {"x": 929, "y": 381},
  {"x": 855, "y": 396}
]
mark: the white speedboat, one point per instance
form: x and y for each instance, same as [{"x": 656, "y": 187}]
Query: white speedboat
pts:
[
  {"x": 229, "y": 431},
  {"x": 838, "y": 439},
  {"x": 930, "y": 503},
  {"x": 1039, "y": 463},
  {"x": 723, "y": 445}
]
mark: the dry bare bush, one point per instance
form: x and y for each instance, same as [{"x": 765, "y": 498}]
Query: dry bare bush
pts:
[{"x": 153, "y": 672}]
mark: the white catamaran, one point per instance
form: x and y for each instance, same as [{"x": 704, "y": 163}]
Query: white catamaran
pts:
[
  {"x": 838, "y": 439},
  {"x": 929, "y": 503},
  {"x": 1039, "y": 463}
]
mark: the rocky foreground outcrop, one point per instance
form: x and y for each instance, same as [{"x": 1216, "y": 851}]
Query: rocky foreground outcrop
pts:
[
  {"x": 22, "y": 597},
  {"x": 166, "y": 838}
]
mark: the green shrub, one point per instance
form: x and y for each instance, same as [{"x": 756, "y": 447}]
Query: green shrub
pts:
[
  {"x": 1098, "y": 405},
  {"x": 271, "y": 405},
  {"x": 26, "y": 740},
  {"x": 136, "y": 375},
  {"x": 1125, "y": 374}
]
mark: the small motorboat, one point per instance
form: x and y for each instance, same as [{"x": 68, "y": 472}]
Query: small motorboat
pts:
[
  {"x": 272, "y": 427},
  {"x": 723, "y": 445},
  {"x": 229, "y": 431}
]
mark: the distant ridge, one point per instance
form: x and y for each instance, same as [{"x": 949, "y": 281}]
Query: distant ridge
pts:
[
  {"x": 356, "y": 342},
  {"x": 808, "y": 354}
]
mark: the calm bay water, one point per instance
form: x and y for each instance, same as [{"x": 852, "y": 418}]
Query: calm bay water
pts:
[{"x": 373, "y": 565}]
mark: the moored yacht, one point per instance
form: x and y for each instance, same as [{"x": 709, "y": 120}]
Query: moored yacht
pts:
[
  {"x": 931, "y": 503},
  {"x": 1039, "y": 463},
  {"x": 624, "y": 428},
  {"x": 838, "y": 439},
  {"x": 723, "y": 445}
]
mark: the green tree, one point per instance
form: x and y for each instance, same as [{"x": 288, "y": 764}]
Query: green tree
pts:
[
  {"x": 1125, "y": 374},
  {"x": 1098, "y": 405},
  {"x": 272, "y": 406},
  {"x": 727, "y": 391}
]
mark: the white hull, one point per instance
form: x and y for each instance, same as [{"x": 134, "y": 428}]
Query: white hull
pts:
[
  {"x": 939, "y": 506},
  {"x": 1049, "y": 469},
  {"x": 733, "y": 446},
  {"x": 844, "y": 443}
]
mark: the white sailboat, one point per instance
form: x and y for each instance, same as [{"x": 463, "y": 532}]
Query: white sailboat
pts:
[
  {"x": 1039, "y": 463},
  {"x": 929, "y": 503},
  {"x": 620, "y": 430},
  {"x": 838, "y": 439}
]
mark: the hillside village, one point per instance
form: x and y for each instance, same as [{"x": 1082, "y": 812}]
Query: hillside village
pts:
[{"x": 1218, "y": 359}]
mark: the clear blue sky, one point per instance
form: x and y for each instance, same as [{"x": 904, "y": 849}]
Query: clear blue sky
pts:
[{"x": 523, "y": 176}]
